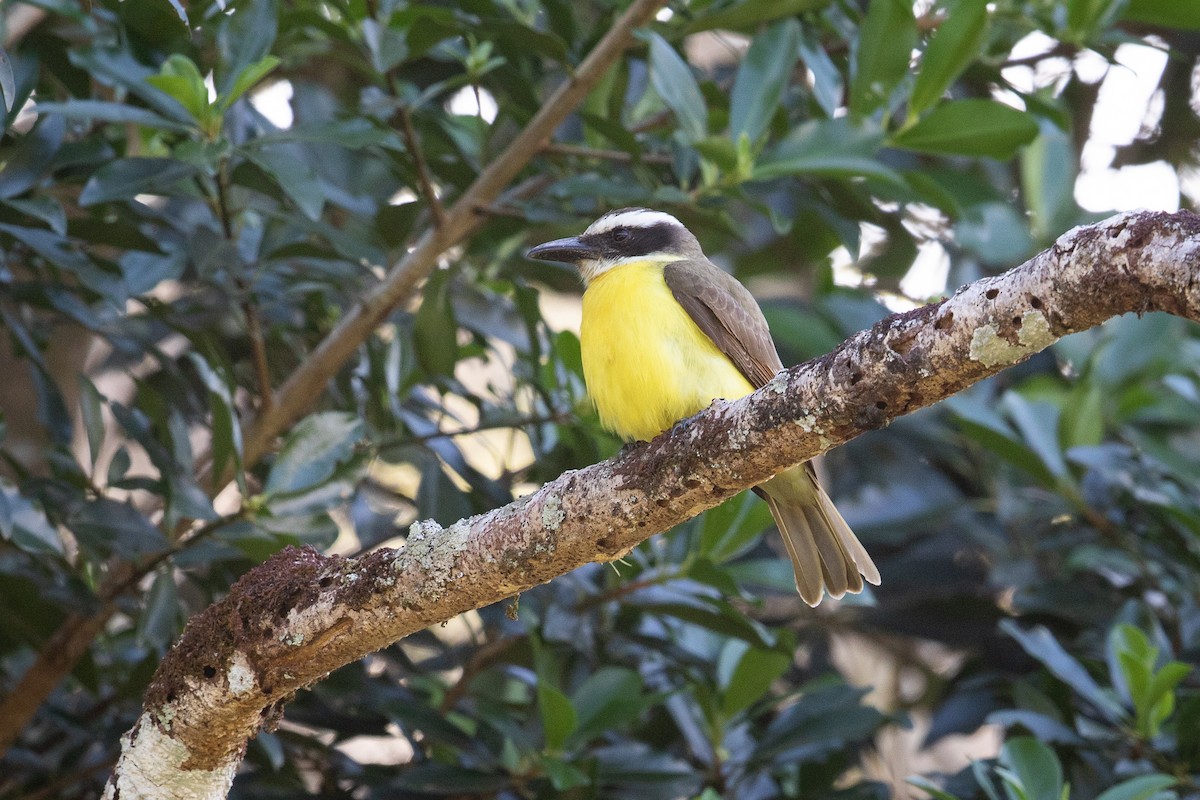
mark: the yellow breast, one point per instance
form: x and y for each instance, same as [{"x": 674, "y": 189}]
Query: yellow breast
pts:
[{"x": 646, "y": 363}]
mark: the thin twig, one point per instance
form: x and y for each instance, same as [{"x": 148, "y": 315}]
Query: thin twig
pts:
[
  {"x": 418, "y": 156},
  {"x": 482, "y": 658},
  {"x": 75, "y": 634},
  {"x": 307, "y": 383},
  {"x": 1060, "y": 50},
  {"x": 301, "y": 390},
  {"x": 258, "y": 348}
]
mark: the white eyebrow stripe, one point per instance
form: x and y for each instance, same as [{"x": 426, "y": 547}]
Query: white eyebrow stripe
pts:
[{"x": 639, "y": 218}]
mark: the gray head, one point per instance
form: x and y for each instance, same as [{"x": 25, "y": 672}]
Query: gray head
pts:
[{"x": 620, "y": 237}]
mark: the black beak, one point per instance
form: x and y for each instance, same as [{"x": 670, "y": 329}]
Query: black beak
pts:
[{"x": 571, "y": 250}]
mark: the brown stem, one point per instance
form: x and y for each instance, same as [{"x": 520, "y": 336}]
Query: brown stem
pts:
[
  {"x": 75, "y": 635},
  {"x": 418, "y": 156},
  {"x": 482, "y": 658},
  {"x": 56, "y": 658},
  {"x": 301, "y": 390},
  {"x": 258, "y": 349},
  {"x": 258, "y": 352},
  {"x": 307, "y": 383}
]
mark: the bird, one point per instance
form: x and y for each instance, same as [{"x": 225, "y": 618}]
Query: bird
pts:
[{"x": 664, "y": 333}]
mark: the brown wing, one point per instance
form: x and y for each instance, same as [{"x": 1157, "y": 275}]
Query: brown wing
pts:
[{"x": 727, "y": 313}]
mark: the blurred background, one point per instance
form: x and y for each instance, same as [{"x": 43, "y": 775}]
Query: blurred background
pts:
[{"x": 193, "y": 193}]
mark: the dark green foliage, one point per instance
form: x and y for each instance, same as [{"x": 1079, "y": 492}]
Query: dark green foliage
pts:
[{"x": 1041, "y": 531}]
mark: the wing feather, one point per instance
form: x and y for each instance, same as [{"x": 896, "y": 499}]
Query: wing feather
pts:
[{"x": 727, "y": 314}]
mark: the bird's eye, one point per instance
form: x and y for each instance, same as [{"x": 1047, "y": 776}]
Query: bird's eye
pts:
[{"x": 621, "y": 234}]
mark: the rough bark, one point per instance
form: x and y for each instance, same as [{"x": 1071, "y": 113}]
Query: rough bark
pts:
[{"x": 289, "y": 622}]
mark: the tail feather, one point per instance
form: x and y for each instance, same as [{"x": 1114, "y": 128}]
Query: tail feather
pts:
[
  {"x": 825, "y": 553},
  {"x": 806, "y": 560}
]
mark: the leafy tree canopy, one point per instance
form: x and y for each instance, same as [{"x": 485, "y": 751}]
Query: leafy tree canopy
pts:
[{"x": 193, "y": 196}]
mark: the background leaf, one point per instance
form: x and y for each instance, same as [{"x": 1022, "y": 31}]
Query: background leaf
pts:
[{"x": 970, "y": 128}]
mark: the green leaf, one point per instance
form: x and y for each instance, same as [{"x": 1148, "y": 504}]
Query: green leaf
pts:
[
  {"x": 742, "y": 16},
  {"x": 746, "y": 673},
  {"x": 181, "y": 79},
  {"x": 91, "y": 404},
  {"x": 354, "y": 132},
  {"x": 1165, "y": 13},
  {"x": 127, "y": 177},
  {"x": 245, "y": 37},
  {"x": 881, "y": 58},
  {"x": 719, "y": 150},
  {"x": 955, "y": 45},
  {"x": 26, "y": 525},
  {"x": 1048, "y": 170},
  {"x": 387, "y": 44},
  {"x": 105, "y": 527},
  {"x": 1086, "y": 17},
  {"x": 930, "y": 789},
  {"x": 104, "y": 111},
  {"x": 1037, "y": 769},
  {"x": 995, "y": 232},
  {"x": 761, "y": 78},
  {"x": 732, "y": 527},
  {"x": 711, "y": 614},
  {"x": 312, "y": 451},
  {"x": 247, "y": 78},
  {"x": 970, "y": 128},
  {"x": 435, "y": 329},
  {"x": 1161, "y": 697},
  {"x": 826, "y": 719},
  {"x": 1142, "y": 787},
  {"x": 828, "y": 148},
  {"x": 1041, "y": 644},
  {"x": 226, "y": 430},
  {"x": 564, "y": 776},
  {"x": 1151, "y": 689},
  {"x": 1083, "y": 419},
  {"x": 8, "y": 83},
  {"x": 1038, "y": 424},
  {"x": 294, "y": 176},
  {"x": 558, "y": 715},
  {"x": 46, "y": 209},
  {"x": 180, "y": 11},
  {"x": 158, "y": 624},
  {"x": 608, "y": 700},
  {"x": 828, "y": 85},
  {"x": 32, "y": 157},
  {"x": 118, "y": 466},
  {"x": 672, "y": 79},
  {"x": 57, "y": 250},
  {"x": 984, "y": 425}
]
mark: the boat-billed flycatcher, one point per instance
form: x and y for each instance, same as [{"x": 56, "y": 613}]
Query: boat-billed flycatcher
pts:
[{"x": 664, "y": 333}]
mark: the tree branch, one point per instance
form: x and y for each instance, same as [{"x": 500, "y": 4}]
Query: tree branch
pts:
[
  {"x": 289, "y": 622},
  {"x": 301, "y": 390},
  {"x": 306, "y": 384}
]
